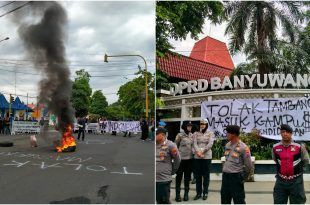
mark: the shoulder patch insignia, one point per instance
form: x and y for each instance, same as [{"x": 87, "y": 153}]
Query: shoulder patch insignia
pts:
[
  {"x": 234, "y": 154},
  {"x": 174, "y": 151},
  {"x": 247, "y": 150}
]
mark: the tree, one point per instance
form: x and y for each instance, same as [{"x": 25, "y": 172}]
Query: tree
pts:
[
  {"x": 81, "y": 92},
  {"x": 295, "y": 57},
  {"x": 287, "y": 58},
  {"x": 252, "y": 28},
  {"x": 98, "y": 103},
  {"x": 162, "y": 80},
  {"x": 176, "y": 20},
  {"x": 132, "y": 95},
  {"x": 116, "y": 111}
]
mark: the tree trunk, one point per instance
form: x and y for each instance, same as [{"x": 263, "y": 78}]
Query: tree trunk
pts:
[{"x": 261, "y": 41}]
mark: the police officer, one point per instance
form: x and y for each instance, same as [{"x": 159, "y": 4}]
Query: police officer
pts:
[
  {"x": 202, "y": 143},
  {"x": 167, "y": 163},
  {"x": 236, "y": 168},
  {"x": 184, "y": 141},
  {"x": 290, "y": 158}
]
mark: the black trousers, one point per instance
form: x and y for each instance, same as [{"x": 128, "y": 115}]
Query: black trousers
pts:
[
  {"x": 293, "y": 190},
  {"x": 144, "y": 134},
  {"x": 232, "y": 188},
  {"x": 163, "y": 192},
  {"x": 202, "y": 174},
  {"x": 186, "y": 169},
  {"x": 83, "y": 134}
]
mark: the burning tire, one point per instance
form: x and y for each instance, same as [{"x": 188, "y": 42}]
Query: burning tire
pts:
[{"x": 6, "y": 144}]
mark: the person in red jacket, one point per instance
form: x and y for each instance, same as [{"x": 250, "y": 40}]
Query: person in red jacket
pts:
[{"x": 290, "y": 158}]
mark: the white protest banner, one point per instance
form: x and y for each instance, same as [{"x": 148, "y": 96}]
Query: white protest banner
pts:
[
  {"x": 109, "y": 126},
  {"x": 266, "y": 115},
  {"x": 25, "y": 127},
  {"x": 122, "y": 126}
]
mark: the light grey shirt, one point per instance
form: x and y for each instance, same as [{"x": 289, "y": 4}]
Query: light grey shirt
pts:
[
  {"x": 237, "y": 158},
  {"x": 167, "y": 161},
  {"x": 185, "y": 144},
  {"x": 203, "y": 142}
]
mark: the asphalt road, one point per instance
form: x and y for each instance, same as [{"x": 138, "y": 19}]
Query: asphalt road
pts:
[{"x": 103, "y": 169}]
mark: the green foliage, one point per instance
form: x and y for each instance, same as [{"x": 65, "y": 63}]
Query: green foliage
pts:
[
  {"x": 159, "y": 103},
  {"x": 252, "y": 28},
  {"x": 116, "y": 111},
  {"x": 258, "y": 150},
  {"x": 162, "y": 81},
  {"x": 176, "y": 19},
  {"x": 132, "y": 96},
  {"x": 93, "y": 118},
  {"x": 218, "y": 149},
  {"x": 98, "y": 103},
  {"x": 81, "y": 92}
]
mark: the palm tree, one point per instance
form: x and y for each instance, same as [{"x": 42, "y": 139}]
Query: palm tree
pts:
[{"x": 253, "y": 27}]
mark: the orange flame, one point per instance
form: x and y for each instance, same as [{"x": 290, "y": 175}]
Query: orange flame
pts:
[{"x": 67, "y": 140}]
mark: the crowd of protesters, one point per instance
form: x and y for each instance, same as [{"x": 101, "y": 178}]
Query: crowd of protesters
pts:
[{"x": 7, "y": 121}]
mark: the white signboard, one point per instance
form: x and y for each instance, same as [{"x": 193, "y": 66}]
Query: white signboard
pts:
[
  {"x": 25, "y": 127},
  {"x": 242, "y": 81},
  {"x": 266, "y": 115}
]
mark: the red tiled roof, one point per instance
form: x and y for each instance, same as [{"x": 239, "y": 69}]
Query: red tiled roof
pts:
[
  {"x": 180, "y": 66},
  {"x": 212, "y": 51}
]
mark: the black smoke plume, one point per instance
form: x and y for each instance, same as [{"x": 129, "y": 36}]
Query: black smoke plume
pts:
[{"x": 44, "y": 42}]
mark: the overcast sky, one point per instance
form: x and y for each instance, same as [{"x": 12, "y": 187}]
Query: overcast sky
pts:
[
  {"x": 94, "y": 28},
  {"x": 215, "y": 31}
]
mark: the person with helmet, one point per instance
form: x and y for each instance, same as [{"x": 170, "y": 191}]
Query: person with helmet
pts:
[
  {"x": 236, "y": 168},
  {"x": 167, "y": 163},
  {"x": 202, "y": 144},
  {"x": 290, "y": 158},
  {"x": 184, "y": 141}
]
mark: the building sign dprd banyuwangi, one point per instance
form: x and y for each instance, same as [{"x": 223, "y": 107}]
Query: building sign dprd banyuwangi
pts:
[
  {"x": 265, "y": 115},
  {"x": 242, "y": 81}
]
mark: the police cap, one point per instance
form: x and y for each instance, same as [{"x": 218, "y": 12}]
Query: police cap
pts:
[
  {"x": 233, "y": 129},
  {"x": 286, "y": 128},
  {"x": 161, "y": 130}
]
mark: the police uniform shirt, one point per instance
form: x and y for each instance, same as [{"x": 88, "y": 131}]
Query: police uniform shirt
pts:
[
  {"x": 167, "y": 161},
  {"x": 237, "y": 158},
  {"x": 185, "y": 143},
  {"x": 203, "y": 142}
]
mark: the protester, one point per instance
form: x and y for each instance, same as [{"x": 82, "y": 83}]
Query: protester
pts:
[
  {"x": 6, "y": 125},
  {"x": 202, "y": 142},
  {"x": 151, "y": 129},
  {"x": 144, "y": 129},
  {"x": 184, "y": 141},
  {"x": 290, "y": 158},
  {"x": 236, "y": 168},
  {"x": 1, "y": 124},
  {"x": 81, "y": 124},
  {"x": 167, "y": 163}
]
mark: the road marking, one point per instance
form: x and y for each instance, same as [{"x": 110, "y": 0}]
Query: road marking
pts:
[{"x": 125, "y": 172}]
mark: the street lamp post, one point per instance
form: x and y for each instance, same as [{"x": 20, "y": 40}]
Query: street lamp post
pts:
[
  {"x": 7, "y": 38},
  {"x": 145, "y": 76}
]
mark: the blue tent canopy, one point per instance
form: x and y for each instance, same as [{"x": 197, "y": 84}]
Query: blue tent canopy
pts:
[
  {"x": 3, "y": 103},
  {"x": 18, "y": 105}
]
